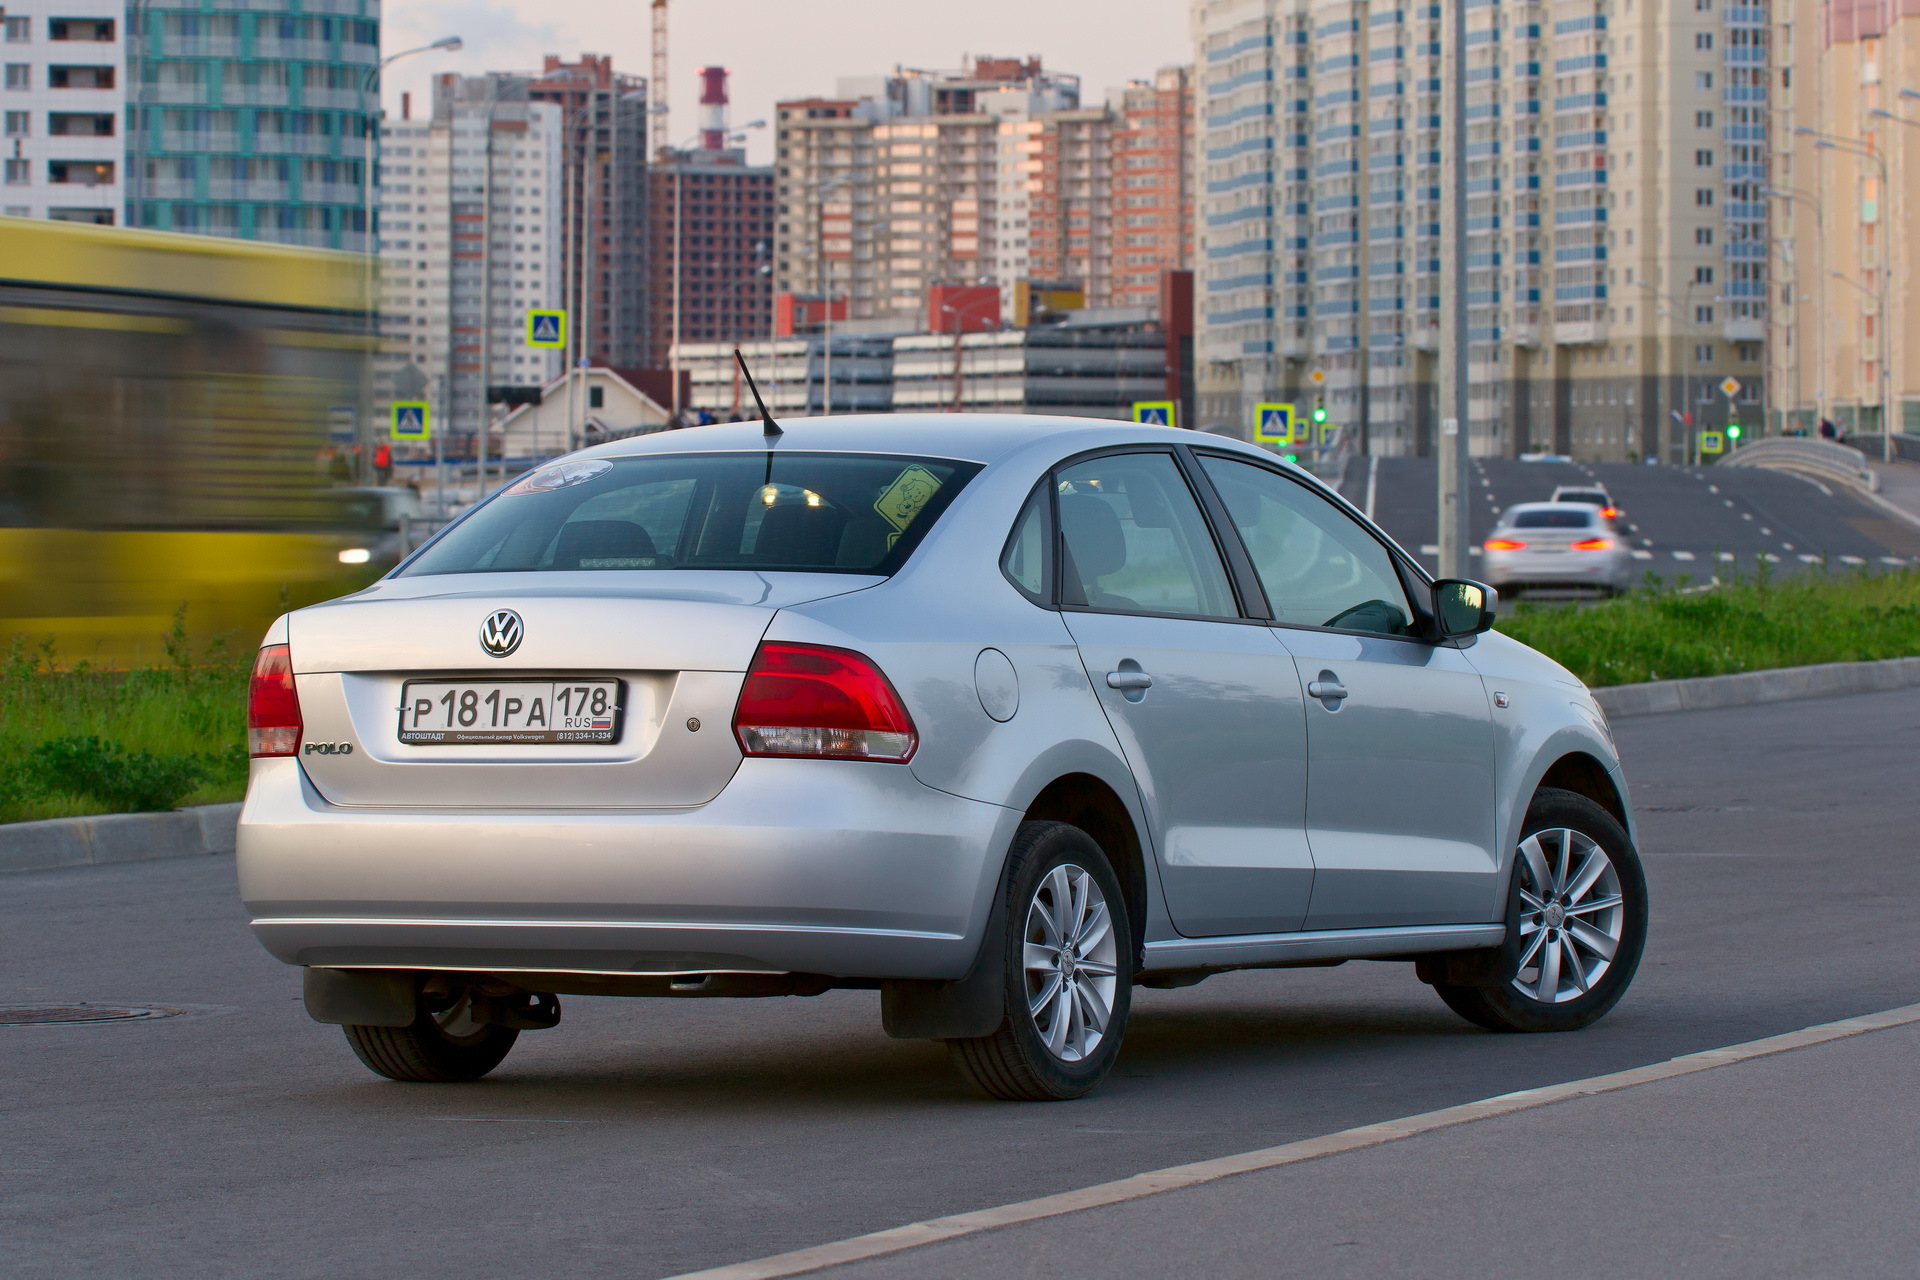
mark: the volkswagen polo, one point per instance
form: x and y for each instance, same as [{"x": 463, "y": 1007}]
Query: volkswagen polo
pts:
[{"x": 1000, "y": 716}]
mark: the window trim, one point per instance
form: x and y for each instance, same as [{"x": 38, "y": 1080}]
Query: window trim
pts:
[{"x": 1418, "y": 600}]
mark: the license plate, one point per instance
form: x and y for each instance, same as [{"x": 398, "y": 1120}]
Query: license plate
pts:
[{"x": 450, "y": 713}]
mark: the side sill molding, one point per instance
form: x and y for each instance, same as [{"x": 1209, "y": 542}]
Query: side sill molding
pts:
[{"x": 1249, "y": 951}]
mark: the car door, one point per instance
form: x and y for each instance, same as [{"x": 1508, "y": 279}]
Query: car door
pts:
[
  {"x": 1400, "y": 793},
  {"x": 1206, "y": 708}
]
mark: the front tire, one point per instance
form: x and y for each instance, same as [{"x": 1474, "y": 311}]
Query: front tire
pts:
[
  {"x": 1069, "y": 972},
  {"x": 1576, "y": 922},
  {"x": 443, "y": 1044}
]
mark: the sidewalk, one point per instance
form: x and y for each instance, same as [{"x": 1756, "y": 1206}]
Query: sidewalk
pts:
[{"x": 1799, "y": 1164}]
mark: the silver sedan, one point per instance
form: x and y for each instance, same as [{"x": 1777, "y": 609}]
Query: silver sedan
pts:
[
  {"x": 1000, "y": 716},
  {"x": 1558, "y": 544}
]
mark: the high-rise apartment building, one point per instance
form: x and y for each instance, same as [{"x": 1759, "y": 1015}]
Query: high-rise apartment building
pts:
[
  {"x": 603, "y": 203},
  {"x": 251, "y": 121},
  {"x": 990, "y": 175},
  {"x": 709, "y": 240},
  {"x": 63, "y": 102},
  {"x": 1152, "y": 201},
  {"x": 1607, "y": 214},
  {"x": 1847, "y": 201},
  {"x": 470, "y": 239}
]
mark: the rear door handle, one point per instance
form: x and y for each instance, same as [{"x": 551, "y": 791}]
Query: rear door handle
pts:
[
  {"x": 1327, "y": 688},
  {"x": 1129, "y": 680}
]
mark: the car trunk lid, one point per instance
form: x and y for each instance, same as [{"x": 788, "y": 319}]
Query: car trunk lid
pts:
[{"x": 672, "y": 649}]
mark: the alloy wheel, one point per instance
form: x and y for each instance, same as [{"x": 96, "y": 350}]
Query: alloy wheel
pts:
[
  {"x": 1071, "y": 961},
  {"x": 1572, "y": 915}
]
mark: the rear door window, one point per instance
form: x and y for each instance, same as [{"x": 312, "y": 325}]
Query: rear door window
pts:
[
  {"x": 804, "y": 512},
  {"x": 1134, "y": 541}
]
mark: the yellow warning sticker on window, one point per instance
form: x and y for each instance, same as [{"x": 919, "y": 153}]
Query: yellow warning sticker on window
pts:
[{"x": 902, "y": 500}]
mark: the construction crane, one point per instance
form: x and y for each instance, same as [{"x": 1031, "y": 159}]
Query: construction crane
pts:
[{"x": 658, "y": 90}]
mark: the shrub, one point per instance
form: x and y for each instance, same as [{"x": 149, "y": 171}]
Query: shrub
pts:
[{"x": 127, "y": 781}]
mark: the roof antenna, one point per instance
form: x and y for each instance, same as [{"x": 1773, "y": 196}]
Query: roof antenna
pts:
[{"x": 768, "y": 427}]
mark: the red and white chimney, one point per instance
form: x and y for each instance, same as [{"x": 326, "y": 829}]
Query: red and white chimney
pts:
[{"x": 713, "y": 108}]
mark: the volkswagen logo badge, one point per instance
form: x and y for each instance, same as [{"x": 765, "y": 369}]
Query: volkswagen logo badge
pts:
[{"x": 501, "y": 633}]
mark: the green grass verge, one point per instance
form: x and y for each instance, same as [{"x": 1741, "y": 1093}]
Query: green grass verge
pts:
[
  {"x": 187, "y": 719},
  {"x": 1665, "y": 632},
  {"x": 180, "y": 730}
]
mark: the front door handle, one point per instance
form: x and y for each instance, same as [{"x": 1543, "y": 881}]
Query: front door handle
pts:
[
  {"x": 1327, "y": 689},
  {"x": 1129, "y": 680}
]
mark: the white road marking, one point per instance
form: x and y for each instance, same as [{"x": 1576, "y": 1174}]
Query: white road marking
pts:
[
  {"x": 880, "y": 1244},
  {"x": 1713, "y": 488},
  {"x": 1683, "y": 555},
  {"x": 1429, "y": 548},
  {"x": 1851, "y": 560},
  {"x": 1728, "y": 556},
  {"x": 1473, "y": 551},
  {"x": 1807, "y": 559},
  {"x": 1746, "y": 515},
  {"x": 1769, "y": 557},
  {"x": 1764, "y": 531},
  {"x": 1726, "y": 502},
  {"x": 1891, "y": 560},
  {"x": 1643, "y": 555}
]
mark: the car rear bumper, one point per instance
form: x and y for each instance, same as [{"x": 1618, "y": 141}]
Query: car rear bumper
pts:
[
  {"x": 1567, "y": 567},
  {"x": 812, "y": 866}
]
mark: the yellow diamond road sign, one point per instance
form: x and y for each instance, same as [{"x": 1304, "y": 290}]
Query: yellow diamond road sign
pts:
[
  {"x": 1319, "y": 376},
  {"x": 1730, "y": 388}
]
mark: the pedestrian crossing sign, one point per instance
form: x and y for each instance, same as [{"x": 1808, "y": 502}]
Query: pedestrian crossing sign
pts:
[
  {"x": 1273, "y": 423},
  {"x": 1158, "y": 413},
  {"x": 412, "y": 419},
  {"x": 1712, "y": 442},
  {"x": 546, "y": 328}
]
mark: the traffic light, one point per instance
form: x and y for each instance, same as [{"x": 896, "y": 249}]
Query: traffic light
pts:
[
  {"x": 1733, "y": 431},
  {"x": 1319, "y": 409}
]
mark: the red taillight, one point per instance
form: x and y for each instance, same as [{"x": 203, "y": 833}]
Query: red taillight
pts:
[
  {"x": 1611, "y": 513},
  {"x": 809, "y": 700},
  {"x": 1505, "y": 544},
  {"x": 1594, "y": 544},
  {"x": 273, "y": 708}
]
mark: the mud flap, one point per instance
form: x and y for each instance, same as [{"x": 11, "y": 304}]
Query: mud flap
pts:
[
  {"x": 963, "y": 1009},
  {"x": 362, "y": 997}
]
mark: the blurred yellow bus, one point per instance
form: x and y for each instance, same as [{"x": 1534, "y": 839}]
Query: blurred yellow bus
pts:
[{"x": 169, "y": 405}]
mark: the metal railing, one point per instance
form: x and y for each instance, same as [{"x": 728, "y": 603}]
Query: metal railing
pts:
[{"x": 1821, "y": 459}]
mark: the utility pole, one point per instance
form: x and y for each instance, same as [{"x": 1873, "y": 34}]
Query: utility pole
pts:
[{"x": 1455, "y": 418}]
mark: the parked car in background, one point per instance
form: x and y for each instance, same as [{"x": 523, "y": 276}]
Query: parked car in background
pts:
[
  {"x": 384, "y": 516},
  {"x": 1557, "y": 544},
  {"x": 1000, "y": 715}
]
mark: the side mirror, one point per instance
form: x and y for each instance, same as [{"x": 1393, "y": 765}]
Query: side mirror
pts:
[{"x": 1462, "y": 607}]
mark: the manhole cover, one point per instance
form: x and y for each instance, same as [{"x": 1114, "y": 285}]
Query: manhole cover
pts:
[{"x": 26, "y": 1015}]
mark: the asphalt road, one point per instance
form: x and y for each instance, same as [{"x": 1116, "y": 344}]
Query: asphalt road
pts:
[
  {"x": 1687, "y": 518},
  {"x": 641, "y": 1139}
]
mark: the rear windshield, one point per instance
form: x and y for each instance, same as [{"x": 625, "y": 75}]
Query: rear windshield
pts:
[
  {"x": 797, "y": 512},
  {"x": 1553, "y": 520},
  {"x": 1594, "y": 496}
]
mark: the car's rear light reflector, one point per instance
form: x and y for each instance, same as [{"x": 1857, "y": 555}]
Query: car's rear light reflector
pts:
[
  {"x": 811, "y": 700},
  {"x": 1505, "y": 544},
  {"x": 273, "y": 707},
  {"x": 1594, "y": 544}
]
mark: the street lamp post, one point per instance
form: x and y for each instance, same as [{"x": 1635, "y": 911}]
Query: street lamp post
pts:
[
  {"x": 369, "y": 87},
  {"x": 826, "y": 285},
  {"x": 959, "y": 315},
  {"x": 1820, "y": 232},
  {"x": 1864, "y": 150}
]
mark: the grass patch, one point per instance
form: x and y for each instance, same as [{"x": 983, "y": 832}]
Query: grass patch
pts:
[
  {"x": 80, "y": 740},
  {"x": 1667, "y": 632}
]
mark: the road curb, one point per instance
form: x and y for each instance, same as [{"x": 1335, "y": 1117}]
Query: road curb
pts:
[
  {"x": 117, "y": 837},
  {"x": 1747, "y": 688}
]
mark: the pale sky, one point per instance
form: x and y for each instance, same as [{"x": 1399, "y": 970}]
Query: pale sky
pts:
[{"x": 786, "y": 48}]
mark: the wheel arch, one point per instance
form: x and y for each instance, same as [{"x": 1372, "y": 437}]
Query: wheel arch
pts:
[
  {"x": 1583, "y": 774},
  {"x": 1089, "y": 803}
]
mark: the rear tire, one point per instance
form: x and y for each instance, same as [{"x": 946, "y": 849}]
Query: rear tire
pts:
[
  {"x": 1576, "y": 922},
  {"x": 1069, "y": 972},
  {"x": 441, "y": 1046}
]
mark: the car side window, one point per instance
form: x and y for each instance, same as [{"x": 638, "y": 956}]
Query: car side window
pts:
[
  {"x": 1025, "y": 559},
  {"x": 1134, "y": 541},
  {"x": 1320, "y": 568}
]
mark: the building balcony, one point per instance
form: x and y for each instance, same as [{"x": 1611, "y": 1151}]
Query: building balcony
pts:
[{"x": 197, "y": 143}]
